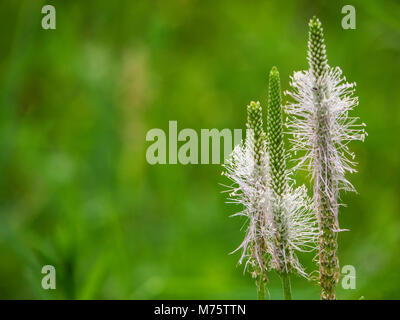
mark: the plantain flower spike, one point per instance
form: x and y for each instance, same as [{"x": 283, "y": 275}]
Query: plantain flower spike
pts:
[
  {"x": 280, "y": 218},
  {"x": 292, "y": 221},
  {"x": 322, "y": 128},
  {"x": 247, "y": 167}
]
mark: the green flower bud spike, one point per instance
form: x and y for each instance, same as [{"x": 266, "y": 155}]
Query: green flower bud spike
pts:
[
  {"x": 278, "y": 180},
  {"x": 316, "y": 55},
  {"x": 255, "y": 126}
]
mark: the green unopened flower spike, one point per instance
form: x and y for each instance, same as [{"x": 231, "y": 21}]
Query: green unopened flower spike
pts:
[
  {"x": 278, "y": 182},
  {"x": 292, "y": 222},
  {"x": 322, "y": 128}
]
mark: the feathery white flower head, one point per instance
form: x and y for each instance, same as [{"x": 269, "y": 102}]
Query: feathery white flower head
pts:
[
  {"x": 334, "y": 101},
  {"x": 247, "y": 167},
  {"x": 249, "y": 170},
  {"x": 322, "y": 128}
]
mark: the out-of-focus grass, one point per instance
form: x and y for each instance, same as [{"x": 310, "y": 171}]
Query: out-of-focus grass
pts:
[{"x": 75, "y": 106}]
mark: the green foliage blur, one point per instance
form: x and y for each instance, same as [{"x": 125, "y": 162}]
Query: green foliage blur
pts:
[{"x": 77, "y": 102}]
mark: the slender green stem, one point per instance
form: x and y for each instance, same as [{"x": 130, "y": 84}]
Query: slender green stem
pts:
[
  {"x": 260, "y": 288},
  {"x": 287, "y": 290}
]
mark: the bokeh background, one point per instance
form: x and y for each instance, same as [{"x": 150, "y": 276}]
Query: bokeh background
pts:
[{"x": 76, "y": 104}]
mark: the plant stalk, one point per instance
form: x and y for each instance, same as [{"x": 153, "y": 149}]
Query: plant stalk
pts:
[
  {"x": 287, "y": 289},
  {"x": 260, "y": 287}
]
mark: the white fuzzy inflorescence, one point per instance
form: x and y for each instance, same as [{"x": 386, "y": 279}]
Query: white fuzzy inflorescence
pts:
[
  {"x": 331, "y": 96},
  {"x": 251, "y": 188}
]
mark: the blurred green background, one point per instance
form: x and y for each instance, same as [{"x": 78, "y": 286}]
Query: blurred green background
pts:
[{"x": 77, "y": 102}]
